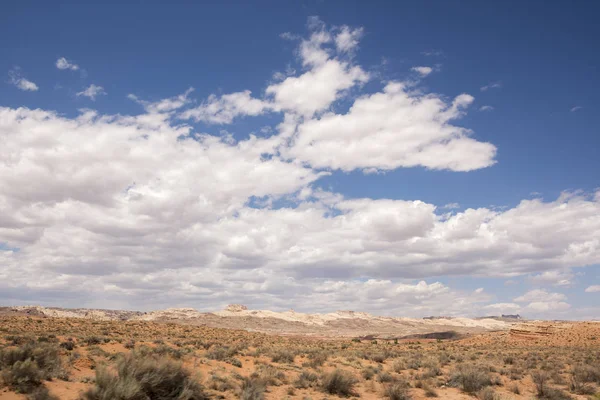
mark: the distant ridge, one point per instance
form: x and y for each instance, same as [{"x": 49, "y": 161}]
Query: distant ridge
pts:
[{"x": 237, "y": 316}]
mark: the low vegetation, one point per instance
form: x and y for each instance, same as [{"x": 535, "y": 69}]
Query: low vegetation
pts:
[{"x": 139, "y": 360}]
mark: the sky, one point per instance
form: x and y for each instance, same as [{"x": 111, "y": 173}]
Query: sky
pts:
[{"x": 402, "y": 158}]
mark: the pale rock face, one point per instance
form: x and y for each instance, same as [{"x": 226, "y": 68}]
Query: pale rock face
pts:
[{"x": 236, "y": 308}]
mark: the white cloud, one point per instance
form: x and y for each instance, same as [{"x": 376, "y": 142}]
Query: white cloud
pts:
[
  {"x": 347, "y": 39},
  {"x": 503, "y": 308},
  {"x": 432, "y": 53},
  {"x": 593, "y": 289},
  {"x": 486, "y": 108},
  {"x": 317, "y": 88},
  {"x": 493, "y": 85},
  {"x": 423, "y": 71},
  {"x": 92, "y": 91},
  {"x": 538, "y": 295},
  {"x": 391, "y": 129},
  {"x": 16, "y": 78},
  {"x": 576, "y": 108},
  {"x": 555, "y": 278},
  {"x": 164, "y": 105},
  {"x": 63, "y": 63},
  {"x": 224, "y": 109},
  {"x": 451, "y": 206}
]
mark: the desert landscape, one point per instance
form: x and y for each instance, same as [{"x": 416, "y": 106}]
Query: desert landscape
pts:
[
  {"x": 299, "y": 200},
  {"x": 184, "y": 354}
]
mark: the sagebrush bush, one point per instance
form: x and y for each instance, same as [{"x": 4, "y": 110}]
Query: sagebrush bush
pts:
[
  {"x": 470, "y": 378},
  {"x": 283, "y": 356},
  {"x": 396, "y": 391},
  {"x": 305, "y": 380},
  {"x": 24, "y": 368},
  {"x": 252, "y": 388},
  {"x": 22, "y": 376},
  {"x": 139, "y": 377},
  {"x": 338, "y": 382}
]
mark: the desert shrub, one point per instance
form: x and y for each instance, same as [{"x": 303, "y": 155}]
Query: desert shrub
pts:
[
  {"x": 369, "y": 372},
  {"x": 269, "y": 375},
  {"x": 68, "y": 345},
  {"x": 220, "y": 353},
  {"x": 139, "y": 377},
  {"x": 398, "y": 366},
  {"x": 317, "y": 358},
  {"x": 22, "y": 376},
  {"x": 470, "y": 378},
  {"x": 234, "y": 361},
  {"x": 130, "y": 344},
  {"x": 16, "y": 340},
  {"x": 305, "y": 380},
  {"x": 396, "y": 391},
  {"x": 283, "y": 356},
  {"x": 41, "y": 393},
  {"x": 586, "y": 373},
  {"x": 540, "y": 378},
  {"x": 252, "y": 389},
  {"x": 92, "y": 340},
  {"x": 384, "y": 377},
  {"x": 515, "y": 388},
  {"x": 220, "y": 383},
  {"x": 579, "y": 387},
  {"x": 429, "y": 391},
  {"x": 338, "y": 382},
  {"x": 487, "y": 394},
  {"x": 44, "y": 356}
]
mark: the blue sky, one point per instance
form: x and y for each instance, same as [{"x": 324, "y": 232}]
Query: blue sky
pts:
[{"x": 476, "y": 164}]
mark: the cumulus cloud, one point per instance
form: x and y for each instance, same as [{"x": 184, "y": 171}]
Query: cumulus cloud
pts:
[
  {"x": 539, "y": 295},
  {"x": 391, "y": 129},
  {"x": 554, "y": 278},
  {"x": 63, "y": 63},
  {"x": 223, "y": 109},
  {"x": 164, "y": 105},
  {"x": 503, "y": 308},
  {"x": 593, "y": 289},
  {"x": 92, "y": 92},
  {"x": 347, "y": 39},
  {"x": 16, "y": 78},
  {"x": 423, "y": 71}
]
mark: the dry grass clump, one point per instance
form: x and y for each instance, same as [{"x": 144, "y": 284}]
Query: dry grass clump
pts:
[
  {"x": 269, "y": 375},
  {"x": 396, "y": 391},
  {"x": 338, "y": 382},
  {"x": 283, "y": 356},
  {"x": 470, "y": 378},
  {"x": 306, "y": 379},
  {"x": 252, "y": 388},
  {"x": 139, "y": 377}
]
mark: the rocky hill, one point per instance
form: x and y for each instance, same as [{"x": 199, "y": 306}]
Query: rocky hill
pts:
[{"x": 236, "y": 316}]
